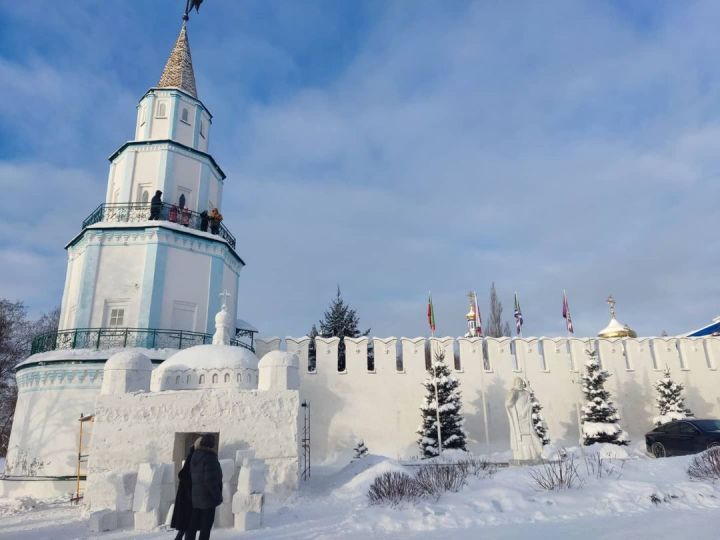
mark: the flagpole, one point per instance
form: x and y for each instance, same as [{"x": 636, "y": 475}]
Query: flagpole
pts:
[{"x": 434, "y": 372}]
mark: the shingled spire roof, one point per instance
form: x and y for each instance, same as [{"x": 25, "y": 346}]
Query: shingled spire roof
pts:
[{"x": 178, "y": 72}]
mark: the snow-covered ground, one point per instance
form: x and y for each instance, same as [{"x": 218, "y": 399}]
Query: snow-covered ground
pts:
[{"x": 505, "y": 506}]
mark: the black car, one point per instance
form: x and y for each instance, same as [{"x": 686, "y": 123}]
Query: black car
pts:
[{"x": 682, "y": 437}]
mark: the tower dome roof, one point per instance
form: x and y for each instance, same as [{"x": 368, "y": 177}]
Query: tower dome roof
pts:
[
  {"x": 615, "y": 329},
  {"x": 178, "y": 72}
]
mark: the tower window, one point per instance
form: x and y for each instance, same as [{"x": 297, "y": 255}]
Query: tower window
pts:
[
  {"x": 202, "y": 128},
  {"x": 185, "y": 115},
  {"x": 117, "y": 316},
  {"x": 161, "y": 111},
  {"x": 142, "y": 115}
]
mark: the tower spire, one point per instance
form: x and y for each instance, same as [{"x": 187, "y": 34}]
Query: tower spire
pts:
[{"x": 178, "y": 72}]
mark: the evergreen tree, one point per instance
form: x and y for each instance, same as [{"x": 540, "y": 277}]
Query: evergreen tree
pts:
[
  {"x": 452, "y": 433},
  {"x": 670, "y": 401},
  {"x": 340, "y": 320},
  {"x": 599, "y": 417},
  {"x": 538, "y": 419},
  {"x": 495, "y": 326},
  {"x": 360, "y": 450}
]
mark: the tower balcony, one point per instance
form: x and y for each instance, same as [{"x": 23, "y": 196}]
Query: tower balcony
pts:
[
  {"x": 115, "y": 337},
  {"x": 137, "y": 212}
]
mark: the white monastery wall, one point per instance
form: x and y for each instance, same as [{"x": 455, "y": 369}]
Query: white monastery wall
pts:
[
  {"x": 141, "y": 427},
  {"x": 71, "y": 290},
  {"x": 382, "y": 406},
  {"x": 186, "y": 177}
]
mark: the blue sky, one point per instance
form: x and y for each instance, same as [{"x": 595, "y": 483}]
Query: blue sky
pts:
[{"x": 394, "y": 148}]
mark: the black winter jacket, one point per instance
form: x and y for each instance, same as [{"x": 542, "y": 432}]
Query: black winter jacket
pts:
[
  {"x": 206, "y": 477},
  {"x": 183, "y": 500}
]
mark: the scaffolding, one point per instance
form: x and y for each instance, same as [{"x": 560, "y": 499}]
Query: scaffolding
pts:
[
  {"x": 305, "y": 442},
  {"x": 81, "y": 457}
]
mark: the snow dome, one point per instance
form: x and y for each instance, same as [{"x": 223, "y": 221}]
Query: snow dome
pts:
[
  {"x": 279, "y": 371},
  {"x": 126, "y": 371},
  {"x": 208, "y": 366}
]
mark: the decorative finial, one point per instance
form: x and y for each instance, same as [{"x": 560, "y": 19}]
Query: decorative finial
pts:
[{"x": 611, "y": 303}]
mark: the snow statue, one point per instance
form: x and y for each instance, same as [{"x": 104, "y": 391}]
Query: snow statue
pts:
[
  {"x": 525, "y": 444},
  {"x": 223, "y": 327}
]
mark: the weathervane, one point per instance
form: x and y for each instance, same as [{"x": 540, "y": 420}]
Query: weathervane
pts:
[{"x": 189, "y": 4}]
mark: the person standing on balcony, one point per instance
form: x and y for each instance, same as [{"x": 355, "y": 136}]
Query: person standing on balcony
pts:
[
  {"x": 215, "y": 219},
  {"x": 156, "y": 205}
]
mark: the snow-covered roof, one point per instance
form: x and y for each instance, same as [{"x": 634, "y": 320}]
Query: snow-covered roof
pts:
[
  {"x": 241, "y": 324},
  {"x": 131, "y": 359},
  {"x": 279, "y": 359},
  {"x": 211, "y": 357},
  {"x": 706, "y": 330},
  {"x": 86, "y": 355}
]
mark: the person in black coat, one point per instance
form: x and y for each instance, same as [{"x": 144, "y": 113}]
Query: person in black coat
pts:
[
  {"x": 156, "y": 205},
  {"x": 206, "y": 477},
  {"x": 182, "y": 511}
]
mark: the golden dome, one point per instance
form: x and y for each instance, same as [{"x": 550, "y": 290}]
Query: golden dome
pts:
[
  {"x": 615, "y": 329},
  {"x": 470, "y": 315}
]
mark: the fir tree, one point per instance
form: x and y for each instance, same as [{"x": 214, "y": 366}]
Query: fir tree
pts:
[
  {"x": 452, "y": 433},
  {"x": 599, "y": 417},
  {"x": 341, "y": 321},
  {"x": 670, "y": 401},
  {"x": 360, "y": 450},
  {"x": 538, "y": 419}
]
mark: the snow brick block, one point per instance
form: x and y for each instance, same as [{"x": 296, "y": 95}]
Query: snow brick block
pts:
[
  {"x": 168, "y": 473},
  {"x": 126, "y": 520},
  {"x": 103, "y": 520},
  {"x": 228, "y": 469},
  {"x": 223, "y": 513},
  {"x": 147, "y": 488},
  {"x": 247, "y": 521},
  {"x": 242, "y": 455},
  {"x": 111, "y": 490},
  {"x": 167, "y": 493},
  {"x": 147, "y": 521},
  {"x": 252, "y": 502},
  {"x": 251, "y": 479}
]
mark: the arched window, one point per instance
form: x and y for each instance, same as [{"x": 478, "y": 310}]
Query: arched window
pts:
[
  {"x": 145, "y": 196},
  {"x": 202, "y": 379},
  {"x": 202, "y": 128},
  {"x": 185, "y": 115},
  {"x": 177, "y": 380},
  {"x": 187, "y": 381},
  {"x": 227, "y": 377},
  {"x": 239, "y": 377},
  {"x": 142, "y": 115},
  {"x": 215, "y": 378},
  {"x": 161, "y": 110}
]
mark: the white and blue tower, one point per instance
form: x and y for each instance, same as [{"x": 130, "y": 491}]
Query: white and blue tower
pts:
[{"x": 142, "y": 272}]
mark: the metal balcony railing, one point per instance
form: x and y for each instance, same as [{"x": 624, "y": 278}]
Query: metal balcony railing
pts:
[
  {"x": 133, "y": 212},
  {"x": 110, "y": 338}
]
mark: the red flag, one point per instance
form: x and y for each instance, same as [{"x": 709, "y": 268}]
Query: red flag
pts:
[
  {"x": 431, "y": 314},
  {"x": 566, "y": 315}
]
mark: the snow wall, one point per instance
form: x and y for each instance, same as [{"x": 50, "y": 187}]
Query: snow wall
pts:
[{"x": 382, "y": 406}]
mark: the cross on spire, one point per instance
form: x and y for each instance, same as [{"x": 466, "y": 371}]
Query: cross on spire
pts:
[
  {"x": 225, "y": 295},
  {"x": 611, "y": 303}
]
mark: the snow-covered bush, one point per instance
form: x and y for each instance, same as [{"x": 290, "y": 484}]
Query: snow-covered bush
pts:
[
  {"x": 538, "y": 420},
  {"x": 599, "y": 467},
  {"x": 478, "y": 467},
  {"x": 394, "y": 488},
  {"x": 706, "y": 466},
  {"x": 557, "y": 474},
  {"x": 434, "y": 480},
  {"x": 599, "y": 416},
  {"x": 360, "y": 450},
  {"x": 452, "y": 434},
  {"x": 670, "y": 401}
]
